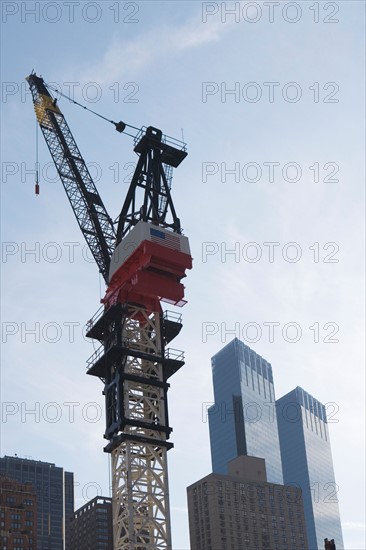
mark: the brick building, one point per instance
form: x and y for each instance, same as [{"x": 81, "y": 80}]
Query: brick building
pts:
[
  {"x": 91, "y": 526},
  {"x": 18, "y": 515},
  {"x": 55, "y": 498},
  {"x": 242, "y": 510}
]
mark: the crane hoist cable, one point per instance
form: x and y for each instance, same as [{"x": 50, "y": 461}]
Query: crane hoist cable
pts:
[
  {"x": 36, "y": 185},
  {"x": 120, "y": 126}
]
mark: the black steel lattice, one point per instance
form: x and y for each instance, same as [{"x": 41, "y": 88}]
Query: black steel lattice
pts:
[
  {"x": 152, "y": 177},
  {"x": 90, "y": 212}
]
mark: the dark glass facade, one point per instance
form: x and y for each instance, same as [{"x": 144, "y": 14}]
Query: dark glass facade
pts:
[
  {"x": 55, "y": 498},
  {"x": 307, "y": 463},
  {"x": 243, "y": 419}
]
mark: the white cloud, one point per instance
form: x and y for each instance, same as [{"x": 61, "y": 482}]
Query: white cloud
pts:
[
  {"x": 195, "y": 34},
  {"x": 125, "y": 57}
]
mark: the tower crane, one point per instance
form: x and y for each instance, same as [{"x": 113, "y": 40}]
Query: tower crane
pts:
[{"x": 143, "y": 259}]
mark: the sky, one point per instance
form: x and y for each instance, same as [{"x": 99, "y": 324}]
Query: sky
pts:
[{"x": 269, "y": 97}]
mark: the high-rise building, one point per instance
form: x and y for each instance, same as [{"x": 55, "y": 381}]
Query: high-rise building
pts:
[
  {"x": 55, "y": 498},
  {"x": 242, "y": 510},
  {"x": 91, "y": 526},
  {"x": 307, "y": 462},
  {"x": 243, "y": 419},
  {"x": 18, "y": 515}
]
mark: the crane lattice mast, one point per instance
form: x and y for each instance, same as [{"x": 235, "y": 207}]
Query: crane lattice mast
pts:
[{"x": 143, "y": 263}]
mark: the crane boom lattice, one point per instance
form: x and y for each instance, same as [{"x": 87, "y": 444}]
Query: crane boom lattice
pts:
[{"x": 92, "y": 217}]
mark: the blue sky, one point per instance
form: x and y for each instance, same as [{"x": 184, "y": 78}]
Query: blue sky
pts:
[{"x": 159, "y": 63}]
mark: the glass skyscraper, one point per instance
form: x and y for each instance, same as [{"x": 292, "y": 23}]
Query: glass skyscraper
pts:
[
  {"x": 55, "y": 498},
  {"x": 307, "y": 463},
  {"x": 243, "y": 419}
]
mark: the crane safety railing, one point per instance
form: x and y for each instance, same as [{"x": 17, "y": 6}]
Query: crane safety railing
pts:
[
  {"x": 174, "y": 354},
  {"x": 94, "y": 358},
  {"x": 172, "y": 316},
  {"x": 168, "y": 140},
  {"x": 97, "y": 315},
  {"x": 168, "y": 315},
  {"x": 128, "y": 343}
]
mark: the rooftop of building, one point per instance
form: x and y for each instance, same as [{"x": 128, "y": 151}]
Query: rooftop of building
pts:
[
  {"x": 31, "y": 461},
  {"x": 92, "y": 504},
  {"x": 301, "y": 397},
  {"x": 242, "y": 469},
  {"x": 248, "y": 356}
]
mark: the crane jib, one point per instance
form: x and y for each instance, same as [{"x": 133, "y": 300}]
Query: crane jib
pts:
[{"x": 92, "y": 217}]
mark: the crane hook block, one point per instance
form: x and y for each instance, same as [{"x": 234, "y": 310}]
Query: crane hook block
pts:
[
  {"x": 36, "y": 188},
  {"x": 120, "y": 126}
]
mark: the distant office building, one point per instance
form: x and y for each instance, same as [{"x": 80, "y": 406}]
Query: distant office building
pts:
[
  {"x": 242, "y": 510},
  {"x": 307, "y": 461},
  {"x": 91, "y": 527},
  {"x": 243, "y": 419},
  {"x": 55, "y": 498},
  {"x": 18, "y": 515}
]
